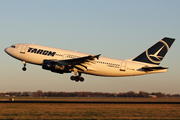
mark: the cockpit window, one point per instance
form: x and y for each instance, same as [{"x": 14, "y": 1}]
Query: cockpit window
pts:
[{"x": 13, "y": 46}]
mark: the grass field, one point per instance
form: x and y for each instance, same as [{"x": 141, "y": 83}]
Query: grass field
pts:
[{"x": 90, "y": 111}]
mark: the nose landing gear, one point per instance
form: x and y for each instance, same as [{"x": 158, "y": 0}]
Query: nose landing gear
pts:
[{"x": 24, "y": 68}]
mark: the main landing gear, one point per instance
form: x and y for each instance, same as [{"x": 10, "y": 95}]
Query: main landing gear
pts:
[
  {"x": 77, "y": 78},
  {"x": 24, "y": 68}
]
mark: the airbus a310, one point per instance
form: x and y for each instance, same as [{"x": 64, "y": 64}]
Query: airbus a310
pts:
[{"x": 65, "y": 61}]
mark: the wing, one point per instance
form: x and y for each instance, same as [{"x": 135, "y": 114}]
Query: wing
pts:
[
  {"x": 65, "y": 66},
  {"x": 81, "y": 63}
]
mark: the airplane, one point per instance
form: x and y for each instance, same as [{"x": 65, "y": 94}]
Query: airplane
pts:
[{"x": 65, "y": 61}]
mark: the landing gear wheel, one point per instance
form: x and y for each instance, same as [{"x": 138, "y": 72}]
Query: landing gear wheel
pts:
[
  {"x": 72, "y": 77},
  {"x": 77, "y": 78},
  {"x": 82, "y": 79},
  {"x": 24, "y": 68}
]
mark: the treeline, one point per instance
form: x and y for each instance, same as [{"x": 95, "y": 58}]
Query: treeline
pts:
[{"x": 40, "y": 93}]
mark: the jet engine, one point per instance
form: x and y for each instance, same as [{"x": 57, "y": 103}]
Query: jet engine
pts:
[{"x": 55, "y": 67}]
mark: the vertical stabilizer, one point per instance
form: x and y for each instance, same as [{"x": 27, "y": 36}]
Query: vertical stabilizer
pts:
[{"x": 155, "y": 54}]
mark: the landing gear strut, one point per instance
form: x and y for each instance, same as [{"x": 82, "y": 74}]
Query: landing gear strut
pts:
[
  {"x": 24, "y": 68},
  {"x": 77, "y": 78}
]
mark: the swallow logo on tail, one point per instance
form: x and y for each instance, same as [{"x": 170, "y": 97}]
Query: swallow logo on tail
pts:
[{"x": 156, "y": 53}]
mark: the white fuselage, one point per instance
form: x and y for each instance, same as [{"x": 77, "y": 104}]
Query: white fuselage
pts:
[{"x": 103, "y": 66}]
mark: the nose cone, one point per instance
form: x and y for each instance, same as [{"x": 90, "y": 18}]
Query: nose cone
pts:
[
  {"x": 12, "y": 51},
  {"x": 6, "y": 50}
]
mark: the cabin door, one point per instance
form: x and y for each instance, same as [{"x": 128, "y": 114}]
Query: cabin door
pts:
[
  {"x": 23, "y": 49},
  {"x": 123, "y": 66}
]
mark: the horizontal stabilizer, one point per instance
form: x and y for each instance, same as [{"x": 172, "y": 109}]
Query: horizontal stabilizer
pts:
[{"x": 153, "y": 68}]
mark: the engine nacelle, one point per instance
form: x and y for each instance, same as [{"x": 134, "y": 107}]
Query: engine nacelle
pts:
[{"x": 55, "y": 67}]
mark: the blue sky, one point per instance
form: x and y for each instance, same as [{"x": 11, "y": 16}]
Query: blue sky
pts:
[{"x": 114, "y": 28}]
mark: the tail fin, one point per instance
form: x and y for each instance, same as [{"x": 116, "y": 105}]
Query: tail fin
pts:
[{"x": 156, "y": 53}]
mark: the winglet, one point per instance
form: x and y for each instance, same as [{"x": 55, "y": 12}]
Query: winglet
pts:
[
  {"x": 97, "y": 56},
  {"x": 91, "y": 57}
]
